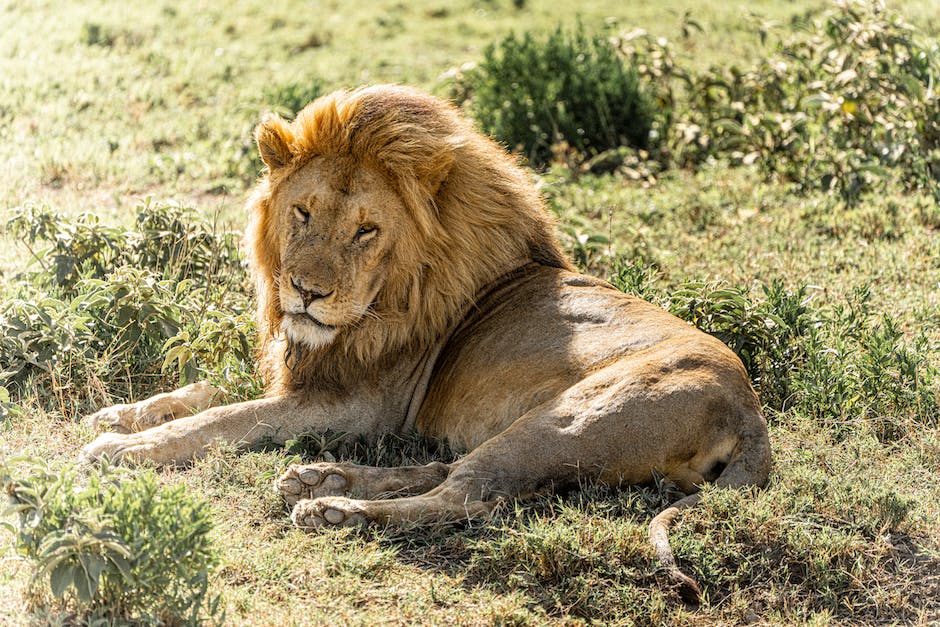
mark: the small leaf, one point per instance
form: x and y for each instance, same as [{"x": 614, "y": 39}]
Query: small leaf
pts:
[
  {"x": 845, "y": 77},
  {"x": 85, "y": 588},
  {"x": 94, "y": 566},
  {"x": 61, "y": 577}
]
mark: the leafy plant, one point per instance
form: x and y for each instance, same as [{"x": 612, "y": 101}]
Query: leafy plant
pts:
[
  {"x": 114, "y": 545},
  {"x": 861, "y": 372},
  {"x": 635, "y": 278},
  {"x": 104, "y": 295},
  {"x": 166, "y": 239},
  {"x": 569, "y": 87},
  {"x": 727, "y": 313},
  {"x": 845, "y": 106},
  {"x": 587, "y": 248}
]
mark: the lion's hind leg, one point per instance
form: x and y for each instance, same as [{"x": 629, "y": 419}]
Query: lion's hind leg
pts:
[
  {"x": 323, "y": 479},
  {"x": 156, "y": 410}
]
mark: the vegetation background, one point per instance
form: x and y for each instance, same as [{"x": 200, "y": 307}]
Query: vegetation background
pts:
[{"x": 788, "y": 205}]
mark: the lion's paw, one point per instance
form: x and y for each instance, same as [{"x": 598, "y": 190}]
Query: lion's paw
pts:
[
  {"x": 127, "y": 448},
  {"x": 328, "y": 512},
  {"x": 133, "y": 417},
  {"x": 110, "y": 445},
  {"x": 117, "y": 418},
  {"x": 311, "y": 481}
]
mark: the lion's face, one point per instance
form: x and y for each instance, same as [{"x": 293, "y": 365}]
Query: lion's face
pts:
[{"x": 337, "y": 224}]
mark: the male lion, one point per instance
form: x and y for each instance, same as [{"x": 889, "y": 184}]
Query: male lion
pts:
[{"x": 408, "y": 277}]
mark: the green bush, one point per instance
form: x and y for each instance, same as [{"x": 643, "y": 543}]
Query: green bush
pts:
[
  {"x": 166, "y": 239},
  {"x": 102, "y": 295},
  {"x": 766, "y": 333},
  {"x": 860, "y": 372},
  {"x": 532, "y": 94},
  {"x": 845, "y": 106},
  {"x": 114, "y": 546},
  {"x": 729, "y": 314}
]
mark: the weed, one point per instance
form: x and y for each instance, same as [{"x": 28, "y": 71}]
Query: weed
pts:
[
  {"x": 114, "y": 546},
  {"x": 861, "y": 374},
  {"x": 104, "y": 295}
]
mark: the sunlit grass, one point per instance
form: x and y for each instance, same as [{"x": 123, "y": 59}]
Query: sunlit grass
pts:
[{"x": 104, "y": 103}]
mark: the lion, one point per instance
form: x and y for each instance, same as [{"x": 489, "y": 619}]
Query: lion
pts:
[{"x": 408, "y": 278}]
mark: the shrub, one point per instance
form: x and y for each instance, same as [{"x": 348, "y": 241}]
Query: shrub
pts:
[
  {"x": 860, "y": 372},
  {"x": 104, "y": 295},
  {"x": 116, "y": 546},
  {"x": 729, "y": 314},
  {"x": 844, "y": 106},
  {"x": 766, "y": 333},
  {"x": 166, "y": 239},
  {"x": 533, "y": 93}
]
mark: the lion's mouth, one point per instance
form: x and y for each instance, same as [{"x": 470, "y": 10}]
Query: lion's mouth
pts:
[
  {"x": 305, "y": 317},
  {"x": 322, "y": 325}
]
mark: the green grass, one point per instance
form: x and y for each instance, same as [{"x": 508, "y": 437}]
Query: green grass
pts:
[{"x": 103, "y": 105}]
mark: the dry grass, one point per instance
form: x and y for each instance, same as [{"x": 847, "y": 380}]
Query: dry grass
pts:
[{"x": 160, "y": 100}]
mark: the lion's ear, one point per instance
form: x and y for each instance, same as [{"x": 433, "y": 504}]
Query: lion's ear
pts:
[
  {"x": 273, "y": 136},
  {"x": 438, "y": 169}
]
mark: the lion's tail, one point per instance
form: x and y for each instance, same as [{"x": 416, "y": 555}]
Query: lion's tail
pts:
[{"x": 749, "y": 465}]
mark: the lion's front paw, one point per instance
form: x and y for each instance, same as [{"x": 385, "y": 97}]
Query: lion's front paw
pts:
[
  {"x": 118, "y": 418},
  {"x": 126, "y": 448},
  {"x": 328, "y": 512},
  {"x": 133, "y": 417},
  {"x": 311, "y": 481},
  {"x": 110, "y": 445}
]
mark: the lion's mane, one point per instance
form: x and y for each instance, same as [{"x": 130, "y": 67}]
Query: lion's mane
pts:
[{"x": 474, "y": 215}]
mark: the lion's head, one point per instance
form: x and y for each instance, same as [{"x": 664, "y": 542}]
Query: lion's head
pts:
[{"x": 381, "y": 216}]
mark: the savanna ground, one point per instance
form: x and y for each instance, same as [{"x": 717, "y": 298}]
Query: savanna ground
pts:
[{"x": 833, "y": 302}]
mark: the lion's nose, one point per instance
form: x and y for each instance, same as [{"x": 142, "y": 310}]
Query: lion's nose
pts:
[{"x": 309, "y": 295}]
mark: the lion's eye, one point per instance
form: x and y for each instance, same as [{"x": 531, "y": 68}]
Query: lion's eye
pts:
[
  {"x": 301, "y": 214},
  {"x": 365, "y": 232}
]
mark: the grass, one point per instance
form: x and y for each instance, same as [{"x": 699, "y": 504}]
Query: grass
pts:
[{"x": 104, "y": 104}]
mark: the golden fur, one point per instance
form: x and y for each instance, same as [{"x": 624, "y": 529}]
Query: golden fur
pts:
[{"x": 474, "y": 209}]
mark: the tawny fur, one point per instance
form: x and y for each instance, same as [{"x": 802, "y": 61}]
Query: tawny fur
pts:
[
  {"x": 476, "y": 212},
  {"x": 407, "y": 277}
]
